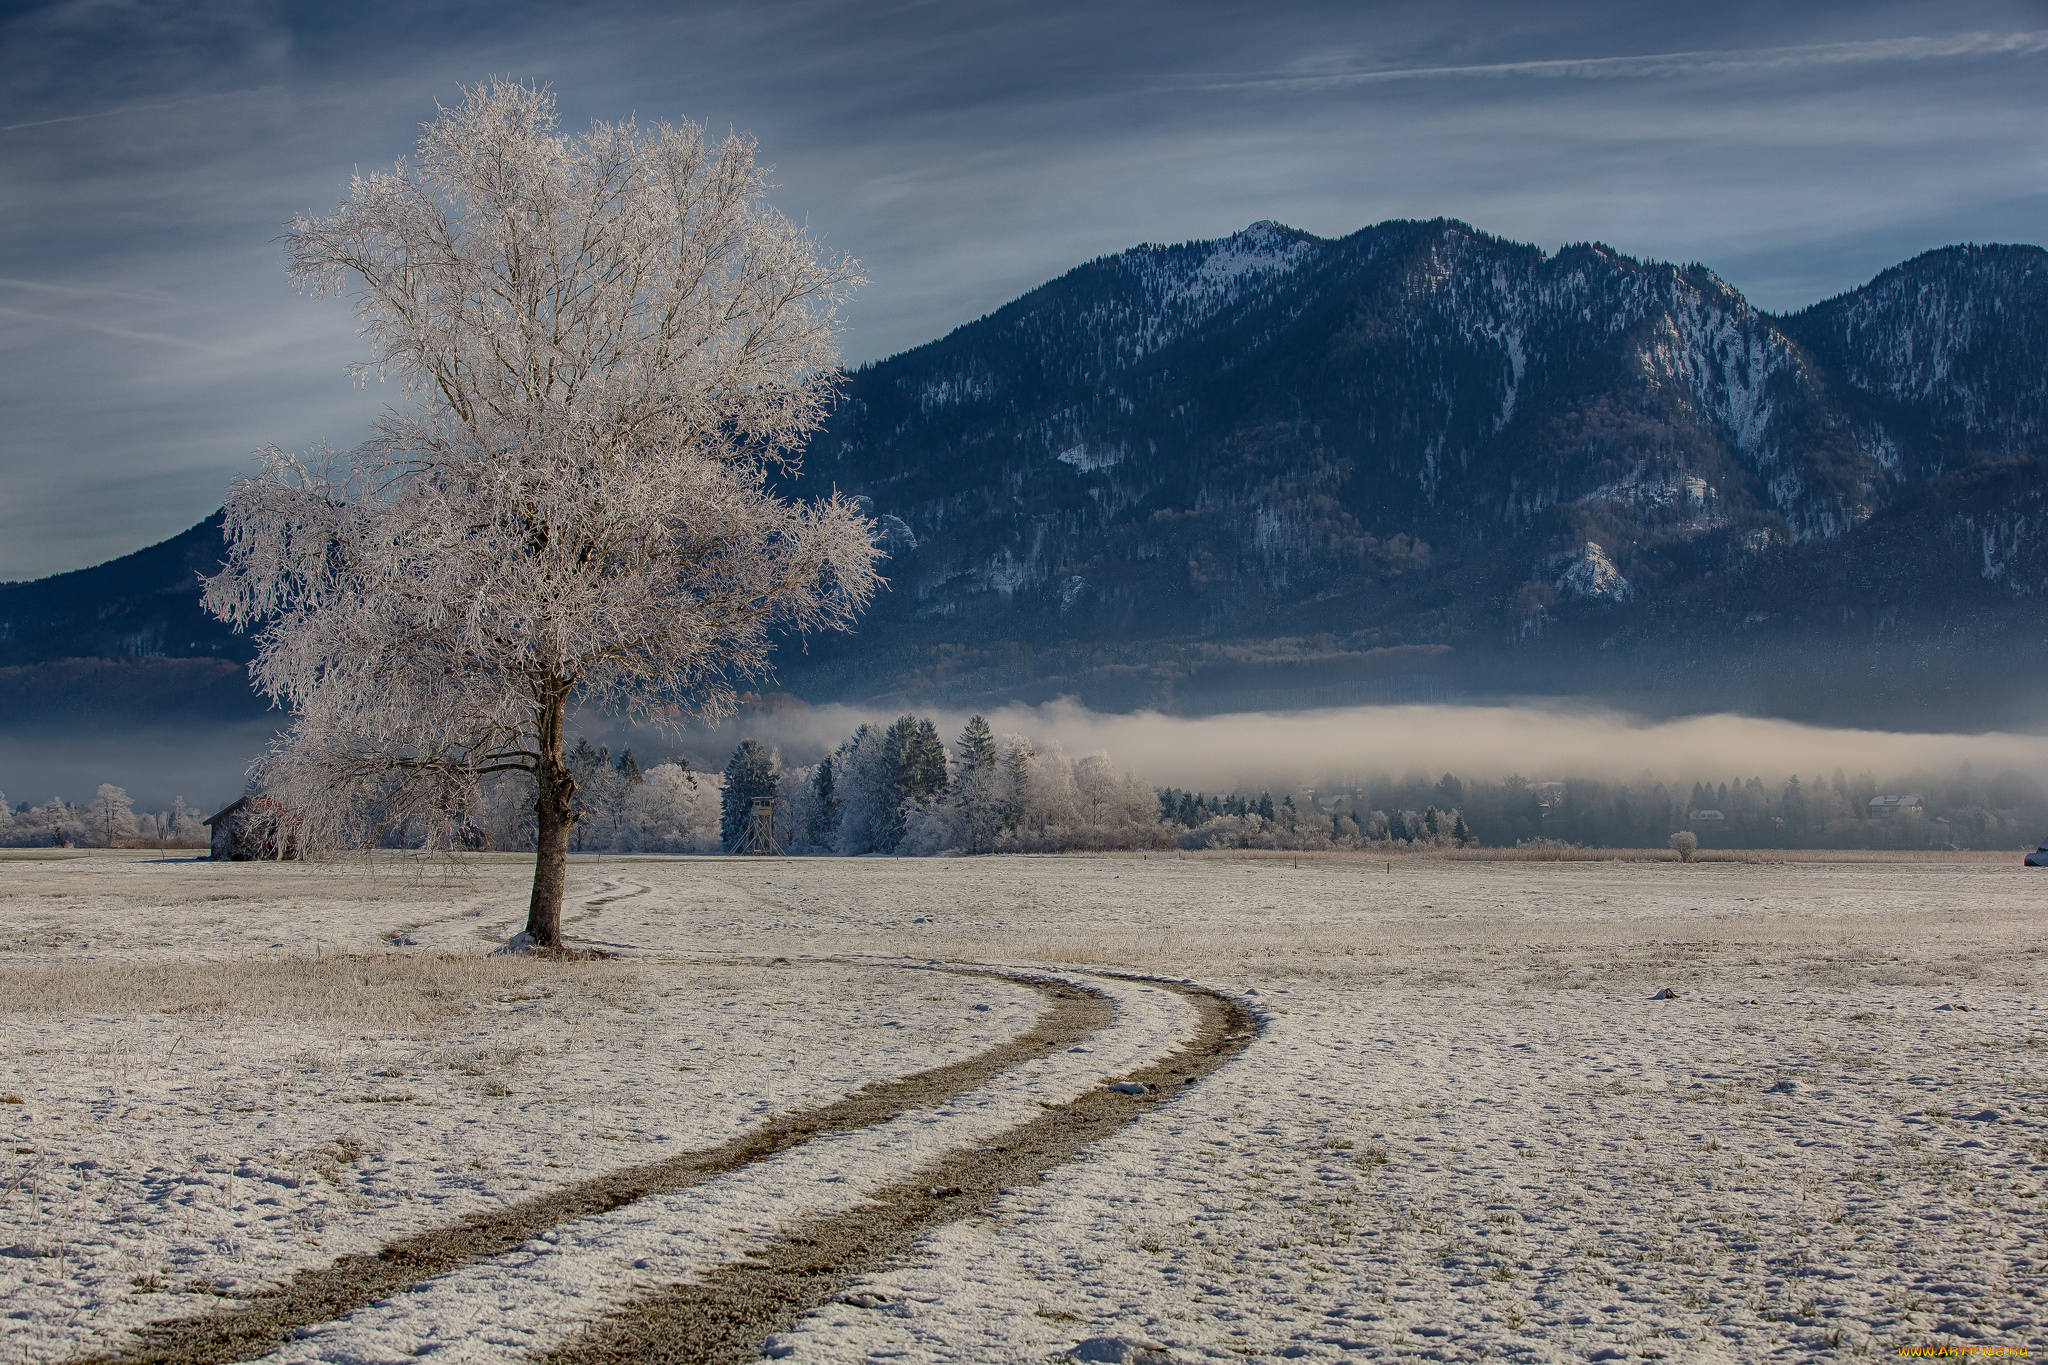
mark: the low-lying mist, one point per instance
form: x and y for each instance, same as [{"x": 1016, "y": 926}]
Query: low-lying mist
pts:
[
  {"x": 1249, "y": 750},
  {"x": 1259, "y": 750}
]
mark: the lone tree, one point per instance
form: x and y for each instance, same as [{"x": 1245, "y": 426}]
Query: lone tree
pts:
[{"x": 607, "y": 344}]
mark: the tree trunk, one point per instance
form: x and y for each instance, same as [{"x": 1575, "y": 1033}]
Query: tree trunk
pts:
[{"x": 554, "y": 810}]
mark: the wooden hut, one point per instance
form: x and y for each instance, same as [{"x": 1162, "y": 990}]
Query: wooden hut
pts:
[{"x": 253, "y": 829}]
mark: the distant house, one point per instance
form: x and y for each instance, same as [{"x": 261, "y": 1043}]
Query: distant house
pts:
[
  {"x": 1890, "y": 807},
  {"x": 253, "y": 829},
  {"x": 1548, "y": 793},
  {"x": 1705, "y": 817}
]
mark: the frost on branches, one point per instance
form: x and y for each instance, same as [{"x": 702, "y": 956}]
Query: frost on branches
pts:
[{"x": 606, "y": 343}]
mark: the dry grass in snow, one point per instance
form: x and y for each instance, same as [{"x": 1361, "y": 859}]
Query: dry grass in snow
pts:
[{"x": 387, "y": 991}]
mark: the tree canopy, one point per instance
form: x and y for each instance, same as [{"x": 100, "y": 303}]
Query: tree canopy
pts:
[{"x": 605, "y": 344}]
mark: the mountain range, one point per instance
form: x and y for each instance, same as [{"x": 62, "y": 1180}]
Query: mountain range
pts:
[{"x": 1416, "y": 462}]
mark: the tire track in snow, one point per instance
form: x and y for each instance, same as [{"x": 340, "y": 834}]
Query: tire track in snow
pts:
[
  {"x": 725, "y": 1315},
  {"x": 402, "y": 936},
  {"x": 323, "y": 1294},
  {"x": 592, "y": 907}
]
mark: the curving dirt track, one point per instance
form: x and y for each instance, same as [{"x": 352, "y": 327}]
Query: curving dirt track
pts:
[{"x": 725, "y": 1314}]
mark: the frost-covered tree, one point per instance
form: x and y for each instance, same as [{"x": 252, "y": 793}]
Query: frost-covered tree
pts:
[
  {"x": 1016, "y": 781},
  {"x": 1098, "y": 785},
  {"x": 607, "y": 343},
  {"x": 978, "y": 787},
  {"x": 868, "y": 809},
  {"x": 671, "y": 810},
  {"x": 596, "y": 796},
  {"x": 822, "y": 824},
  {"x": 185, "y": 826},
  {"x": 113, "y": 815}
]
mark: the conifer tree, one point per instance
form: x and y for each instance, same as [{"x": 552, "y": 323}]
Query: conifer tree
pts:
[
  {"x": 897, "y": 774},
  {"x": 925, "y": 774},
  {"x": 976, "y": 745},
  {"x": 825, "y": 803},
  {"x": 751, "y": 772},
  {"x": 1017, "y": 760},
  {"x": 975, "y": 786}
]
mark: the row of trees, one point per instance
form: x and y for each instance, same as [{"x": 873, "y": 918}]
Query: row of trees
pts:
[
  {"x": 899, "y": 788},
  {"x": 109, "y": 820},
  {"x": 2004, "y": 810},
  {"x": 888, "y": 789}
]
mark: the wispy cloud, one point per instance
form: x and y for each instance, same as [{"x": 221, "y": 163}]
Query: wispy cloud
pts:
[
  {"x": 108, "y": 329},
  {"x": 130, "y": 109},
  {"x": 1727, "y": 61},
  {"x": 78, "y": 291}
]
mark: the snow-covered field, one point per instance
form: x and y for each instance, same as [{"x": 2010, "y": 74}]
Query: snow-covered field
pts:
[{"x": 1465, "y": 1129}]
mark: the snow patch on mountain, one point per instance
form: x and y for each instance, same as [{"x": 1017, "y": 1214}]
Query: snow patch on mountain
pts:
[
  {"x": 1589, "y": 573},
  {"x": 1883, "y": 447},
  {"x": 1264, "y": 248},
  {"x": 1185, "y": 287},
  {"x": 1088, "y": 460},
  {"x": 1685, "y": 498},
  {"x": 2014, "y": 545},
  {"x": 1518, "y": 362}
]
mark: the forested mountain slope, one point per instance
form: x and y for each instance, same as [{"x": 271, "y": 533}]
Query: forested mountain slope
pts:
[
  {"x": 123, "y": 642},
  {"x": 1415, "y": 462},
  {"x": 1420, "y": 460}
]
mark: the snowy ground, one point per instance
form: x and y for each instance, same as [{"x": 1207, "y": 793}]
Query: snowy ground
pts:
[{"x": 1465, "y": 1131}]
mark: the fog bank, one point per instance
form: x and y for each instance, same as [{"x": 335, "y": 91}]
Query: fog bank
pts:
[
  {"x": 1257, "y": 750},
  {"x": 1542, "y": 742}
]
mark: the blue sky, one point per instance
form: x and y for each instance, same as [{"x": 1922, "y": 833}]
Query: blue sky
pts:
[{"x": 150, "y": 153}]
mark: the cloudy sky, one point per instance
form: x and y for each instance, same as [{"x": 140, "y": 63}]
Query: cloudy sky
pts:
[{"x": 150, "y": 153}]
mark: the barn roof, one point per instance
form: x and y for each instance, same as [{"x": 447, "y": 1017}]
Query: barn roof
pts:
[{"x": 225, "y": 810}]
